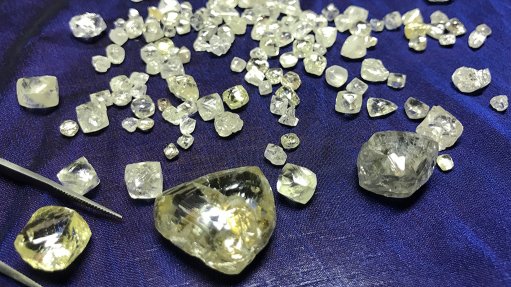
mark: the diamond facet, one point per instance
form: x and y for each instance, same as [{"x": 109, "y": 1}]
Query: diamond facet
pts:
[
  {"x": 38, "y": 92},
  {"x": 144, "y": 180},
  {"x": 238, "y": 65},
  {"x": 441, "y": 126},
  {"x": 297, "y": 183},
  {"x": 357, "y": 86},
  {"x": 79, "y": 176}
]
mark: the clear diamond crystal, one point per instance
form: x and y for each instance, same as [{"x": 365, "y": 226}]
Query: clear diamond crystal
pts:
[
  {"x": 92, "y": 117},
  {"x": 396, "y": 80},
  {"x": 416, "y": 109},
  {"x": 171, "y": 67},
  {"x": 265, "y": 88},
  {"x": 120, "y": 83},
  {"x": 288, "y": 60},
  {"x": 134, "y": 27},
  {"x": 101, "y": 64},
  {"x": 189, "y": 108},
  {"x": 377, "y": 107},
  {"x": 438, "y": 17},
  {"x": 185, "y": 141},
  {"x": 185, "y": 55},
  {"x": 348, "y": 103},
  {"x": 297, "y": 183},
  {"x": 289, "y": 141},
  {"x": 118, "y": 36},
  {"x": 412, "y": 16},
  {"x": 87, "y": 26},
  {"x": 254, "y": 77},
  {"x": 115, "y": 54},
  {"x": 144, "y": 180},
  {"x": 238, "y": 65},
  {"x": 145, "y": 124},
  {"x": 455, "y": 26},
  {"x": 183, "y": 87},
  {"x": 393, "y": 20},
  {"x": 210, "y": 106},
  {"x": 326, "y": 36},
  {"x": 79, "y": 176},
  {"x": 357, "y": 86},
  {"x": 289, "y": 118},
  {"x": 274, "y": 75},
  {"x": 130, "y": 124},
  {"x": 235, "y": 97},
  {"x": 499, "y": 103},
  {"x": 315, "y": 64},
  {"x": 38, "y": 92},
  {"x": 227, "y": 123},
  {"x": 163, "y": 104},
  {"x": 445, "y": 162},
  {"x": 258, "y": 64},
  {"x": 69, "y": 128},
  {"x": 270, "y": 46},
  {"x": 354, "y": 47},
  {"x": 104, "y": 97},
  {"x": 441, "y": 126},
  {"x": 330, "y": 12},
  {"x": 173, "y": 116},
  {"x": 285, "y": 92},
  {"x": 303, "y": 47},
  {"x": 377, "y": 25},
  {"x": 373, "y": 70},
  {"x": 478, "y": 36},
  {"x": 121, "y": 99},
  {"x": 153, "y": 30},
  {"x": 396, "y": 164},
  {"x": 187, "y": 126},
  {"x": 469, "y": 80},
  {"x": 291, "y": 80},
  {"x": 171, "y": 151},
  {"x": 278, "y": 105},
  {"x": 275, "y": 154},
  {"x": 143, "y": 107},
  {"x": 447, "y": 40},
  {"x": 418, "y": 44},
  {"x": 336, "y": 76}
]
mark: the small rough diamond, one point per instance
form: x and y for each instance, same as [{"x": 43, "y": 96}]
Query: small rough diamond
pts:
[
  {"x": 455, "y": 26},
  {"x": 357, "y": 86},
  {"x": 143, "y": 107},
  {"x": 297, "y": 183},
  {"x": 87, "y": 26},
  {"x": 447, "y": 40},
  {"x": 412, "y": 16},
  {"x": 418, "y": 44},
  {"x": 189, "y": 108},
  {"x": 416, "y": 30},
  {"x": 416, "y": 109},
  {"x": 469, "y": 80},
  {"x": 92, "y": 117},
  {"x": 53, "y": 238},
  {"x": 163, "y": 104},
  {"x": 275, "y": 154},
  {"x": 210, "y": 106},
  {"x": 224, "y": 218},
  {"x": 274, "y": 75},
  {"x": 326, "y": 36},
  {"x": 396, "y": 80},
  {"x": 238, "y": 65},
  {"x": 101, "y": 64},
  {"x": 254, "y": 77},
  {"x": 185, "y": 141},
  {"x": 130, "y": 124},
  {"x": 227, "y": 123},
  {"x": 173, "y": 115},
  {"x": 120, "y": 83},
  {"x": 330, "y": 12},
  {"x": 379, "y": 107},
  {"x": 377, "y": 25},
  {"x": 288, "y": 118},
  {"x": 438, "y": 17},
  {"x": 348, "y": 103},
  {"x": 291, "y": 80},
  {"x": 354, "y": 47},
  {"x": 144, "y": 180},
  {"x": 115, "y": 54},
  {"x": 79, "y": 176},
  {"x": 38, "y": 92},
  {"x": 235, "y": 97},
  {"x": 118, "y": 36},
  {"x": 445, "y": 162},
  {"x": 396, "y": 164},
  {"x": 104, "y": 97},
  {"x": 288, "y": 60},
  {"x": 265, "y": 88},
  {"x": 393, "y": 20},
  {"x": 373, "y": 70},
  {"x": 171, "y": 151},
  {"x": 441, "y": 126},
  {"x": 336, "y": 76},
  {"x": 278, "y": 105},
  {"x": 499, "y": 103},
  {"x": 145, "y": 124},
  {"x": 289, "y": 141},
  {"x": 69, "y": 128},
  {"x": 183, "y": 87},
  {"x": 187, "y": 126}
]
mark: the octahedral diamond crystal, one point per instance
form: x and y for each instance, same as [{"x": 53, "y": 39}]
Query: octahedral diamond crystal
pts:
[
  {"x": 396, "y": 80},
  {"x": 38, "y": 92},
  {"x": 377, "y": 107},
  {"x": 499, "y": 103},
  {"x": 144, "y": 180},
  {"x": 53, "y": 238},
  {"x": 441, "y": 126},
  {"x": 238, "y": 65},
  {"x": 416, "y": 109},
  {"x": 130, "y": 124},
  {"x": 104, "y": 97},
  {"x": 396, "y": 164},
  {"x": 183, "y": 87},
  {"x": 69, "y": 128},
  {"x": 373, "y": 70},
  {"x": 227, "y": 123},
  {"x": 235, "y": 97},
  {"x": 297, "y": 183},
  {"x": 224, "y": 218},
  {"x": 469, "y": 80},
  {"x": 210, "y": 106},
  {"x": 101, "y": 64},
  {"x": 143, "y": 107},
  {"x": 336, "y": 76},
  {"x": 187, "y": 126},
  {"x": 291, "y": 80},
  {"x": 79, "y": 176},
  {"x": 348, "y": 103},
  {"x": 92, "y": 117},
  {"x": 115, "y": 54},
  {"x": 185, "y": 141},
  {"x": 171, "y": 151},
  {"x": 445, "y": 162},
  {"x": 289, "y": 141},
  {"x": 87, "y": 26},
  {"x": 357, "y": 86},
  {"x": 275, "y": 154}
]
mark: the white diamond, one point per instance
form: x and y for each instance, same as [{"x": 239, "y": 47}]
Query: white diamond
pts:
[
  {"x": 315, "y": 64},
  {"x": 393, "y": 20},
  {"x": 143, "y": 107},
  {"x": 348, "y": 103},
  {"x": 145, "y": 124},
  {"x": 326, "y": 36},
  {"x": 297, "y": 183},
  {"x": 254, "y": 76},
  {"x": 445, "y": 162},
  {"x": 87, "y": 26},
  {"x": 418, "y": 44},
  {"x": 357, "y": 86},
  {"x": 38, "y": 92},
  {"x": 291, "y": 80},
  {"x": 288, "y": 60},
  {"x": 171, "y": 151},
  {"x": 278, "y": 105},
  {"x": 183, "y": 87},
  {"x": 130, "y": 124},
  {"x": 447, "y": 40},
  {"x": 275, "y": 154},
  {"x": 187, "y": 126},
  {"x": 373, "y": 70},
  {"x": 228, "y": 123},
  {"x": 396, "y": 80},
  {"x": 441, "y": 126},
  {"x": 210, "y": 106},
  {"x": 173, "y": 116},
  {"x": 265, "y": 88},
  {"x": 118, "y": 36},
  {"x": 354, "y": 47},
  {"x": 185, "y": 141},
  {"x": 289, "y": 141},
  {"x": 416, "y": 109},
  {"x": 69, "y": 128},
  {"x": 144, "y": 180},
  {"x": 92, "y": 117},
  {"x": 238, "y": 65},
  {"x": 79, "y": 176},
  {"x": 336, "y": 76},
  {"x": 115, "y": 54},
  {"x": 101, "y": 64},
  {"x": 469, "y": 80},
  {"x": 380, "y": 107},
  {"x": 499, "y": 103},
  {"x": 289, "y": 118},
  {"x": 104, "y": 97}
]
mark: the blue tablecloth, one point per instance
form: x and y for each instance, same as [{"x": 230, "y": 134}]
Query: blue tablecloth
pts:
[{"x": 455, "y": 232}]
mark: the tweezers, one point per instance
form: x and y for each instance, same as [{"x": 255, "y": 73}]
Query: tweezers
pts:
[
  {"x": 25, "y": 174},
  {"x": 16, "y": 275}
]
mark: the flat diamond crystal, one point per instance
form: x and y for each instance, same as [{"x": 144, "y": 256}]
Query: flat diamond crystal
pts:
[
  {"x": 184, "y": 87},
  {"x": 377, "y": 107},
  {"x": 336, "y": 76},
  {"x": 69, "y": 128},
  {"x": 185, "y": 141},
  {"x": 396, "y": 164},
  {"x": 53, "y": 238},
  {"x": 79, "y": 176},
  {"x": 297, "y": 183},
  {"x": 441, "y": 126},
  {"x": 101, "y": 64},
  {"x": 499, "y": 103},
  {"x": 275, "y": 154},
  {"x": 130, "y": 124},
  {"x": 469, "y": 80},
  {"x": 228, "y": 123},
  {"x": 445, "y": 162},
  {"x": 396, "y": 80},
  {"x": 92, "y": 117},
  {"x": 373, "y": 70},
  {"x": 224, "y": 218},
  {"x": 171, "y": 151},
  {"x": 87, "y": 26},
  {"x": 235, "y": 97},
  {"x": 416, "y": 109},
  {"x": 144, "y": 180},
  {"x": 348, "y": 103},
  {"x": 210, "y": 106},
  {"x": 38, "y": 92}
]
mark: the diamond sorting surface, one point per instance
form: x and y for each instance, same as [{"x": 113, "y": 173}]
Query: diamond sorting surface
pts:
[
  {"x": 224, "y": 218},
  {"x": 441, "y": 126},
  {"x": 53, "y": 238},
  {"x": 235, "y": 97},
  {"x": 115, "y": 54},
  {"x": 130, "y": 124},
  {"x": 210, "y": 106},
  {"x": 377, "y": 107},
  {"x": 143, "y": 107},
  {"x": 416, "y": 109},
  {"x": 396, "y": 80},
  {"x": 315, "y": 64},
  {"x": 275, "y": 154},
  {"x": 79, "y": 176},
  {"x": 373, "y": 70},
  {"x": 228, "y": 123},
  {"x": 101, "y": 64},
  {"x": 185, "y": 141},
  {"x": 289, "y": 141},
  {"x": 184, "y": 87},
  {"x": 336, "y": 76},
  {"x": 69, "y": 128},
  {"x": 469, "y": 80},
  {"x": 238, "y": 65},
  {"x": 445, "y": 162},
  {"x": 92, "y": 117},
  {"x": 38, "y": 92},
  {"x": 499, "y": 103},
  {"x": 396, "y": 164},
  {"x": 348, "y": 103},
  {"x": 144, "y": 180},
  {"x": 297, "y": 183},
  {"x": 171, "y": 151},
  {"x": 87, "y": 26}
]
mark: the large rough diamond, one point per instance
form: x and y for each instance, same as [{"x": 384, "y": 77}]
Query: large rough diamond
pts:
[
  {"x": 396, "y": 164},
  {"x": 53, "y": 238},
  {"x": 38, "y": 92},
  {"x": 441, "y": 126},
  {"x": 87, "y": 26},
  {"x": 224, "y": 218}
]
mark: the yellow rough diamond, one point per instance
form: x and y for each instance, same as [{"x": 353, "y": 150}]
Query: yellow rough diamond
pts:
[
  {"x": 224, "y": 218},
  {"x": 53, "y": 238}
]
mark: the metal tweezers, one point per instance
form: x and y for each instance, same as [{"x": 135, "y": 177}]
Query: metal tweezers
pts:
[{"x": 16, "y": 275}]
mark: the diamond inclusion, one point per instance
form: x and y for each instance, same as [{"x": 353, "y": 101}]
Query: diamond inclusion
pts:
[
  {"x": 224, "y": 218},
  {"x": 53, "y": 238},
  {"x": 396, "y": 164}
]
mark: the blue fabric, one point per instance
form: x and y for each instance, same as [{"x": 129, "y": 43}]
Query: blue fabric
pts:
[{"x": 455, "y": 232}]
